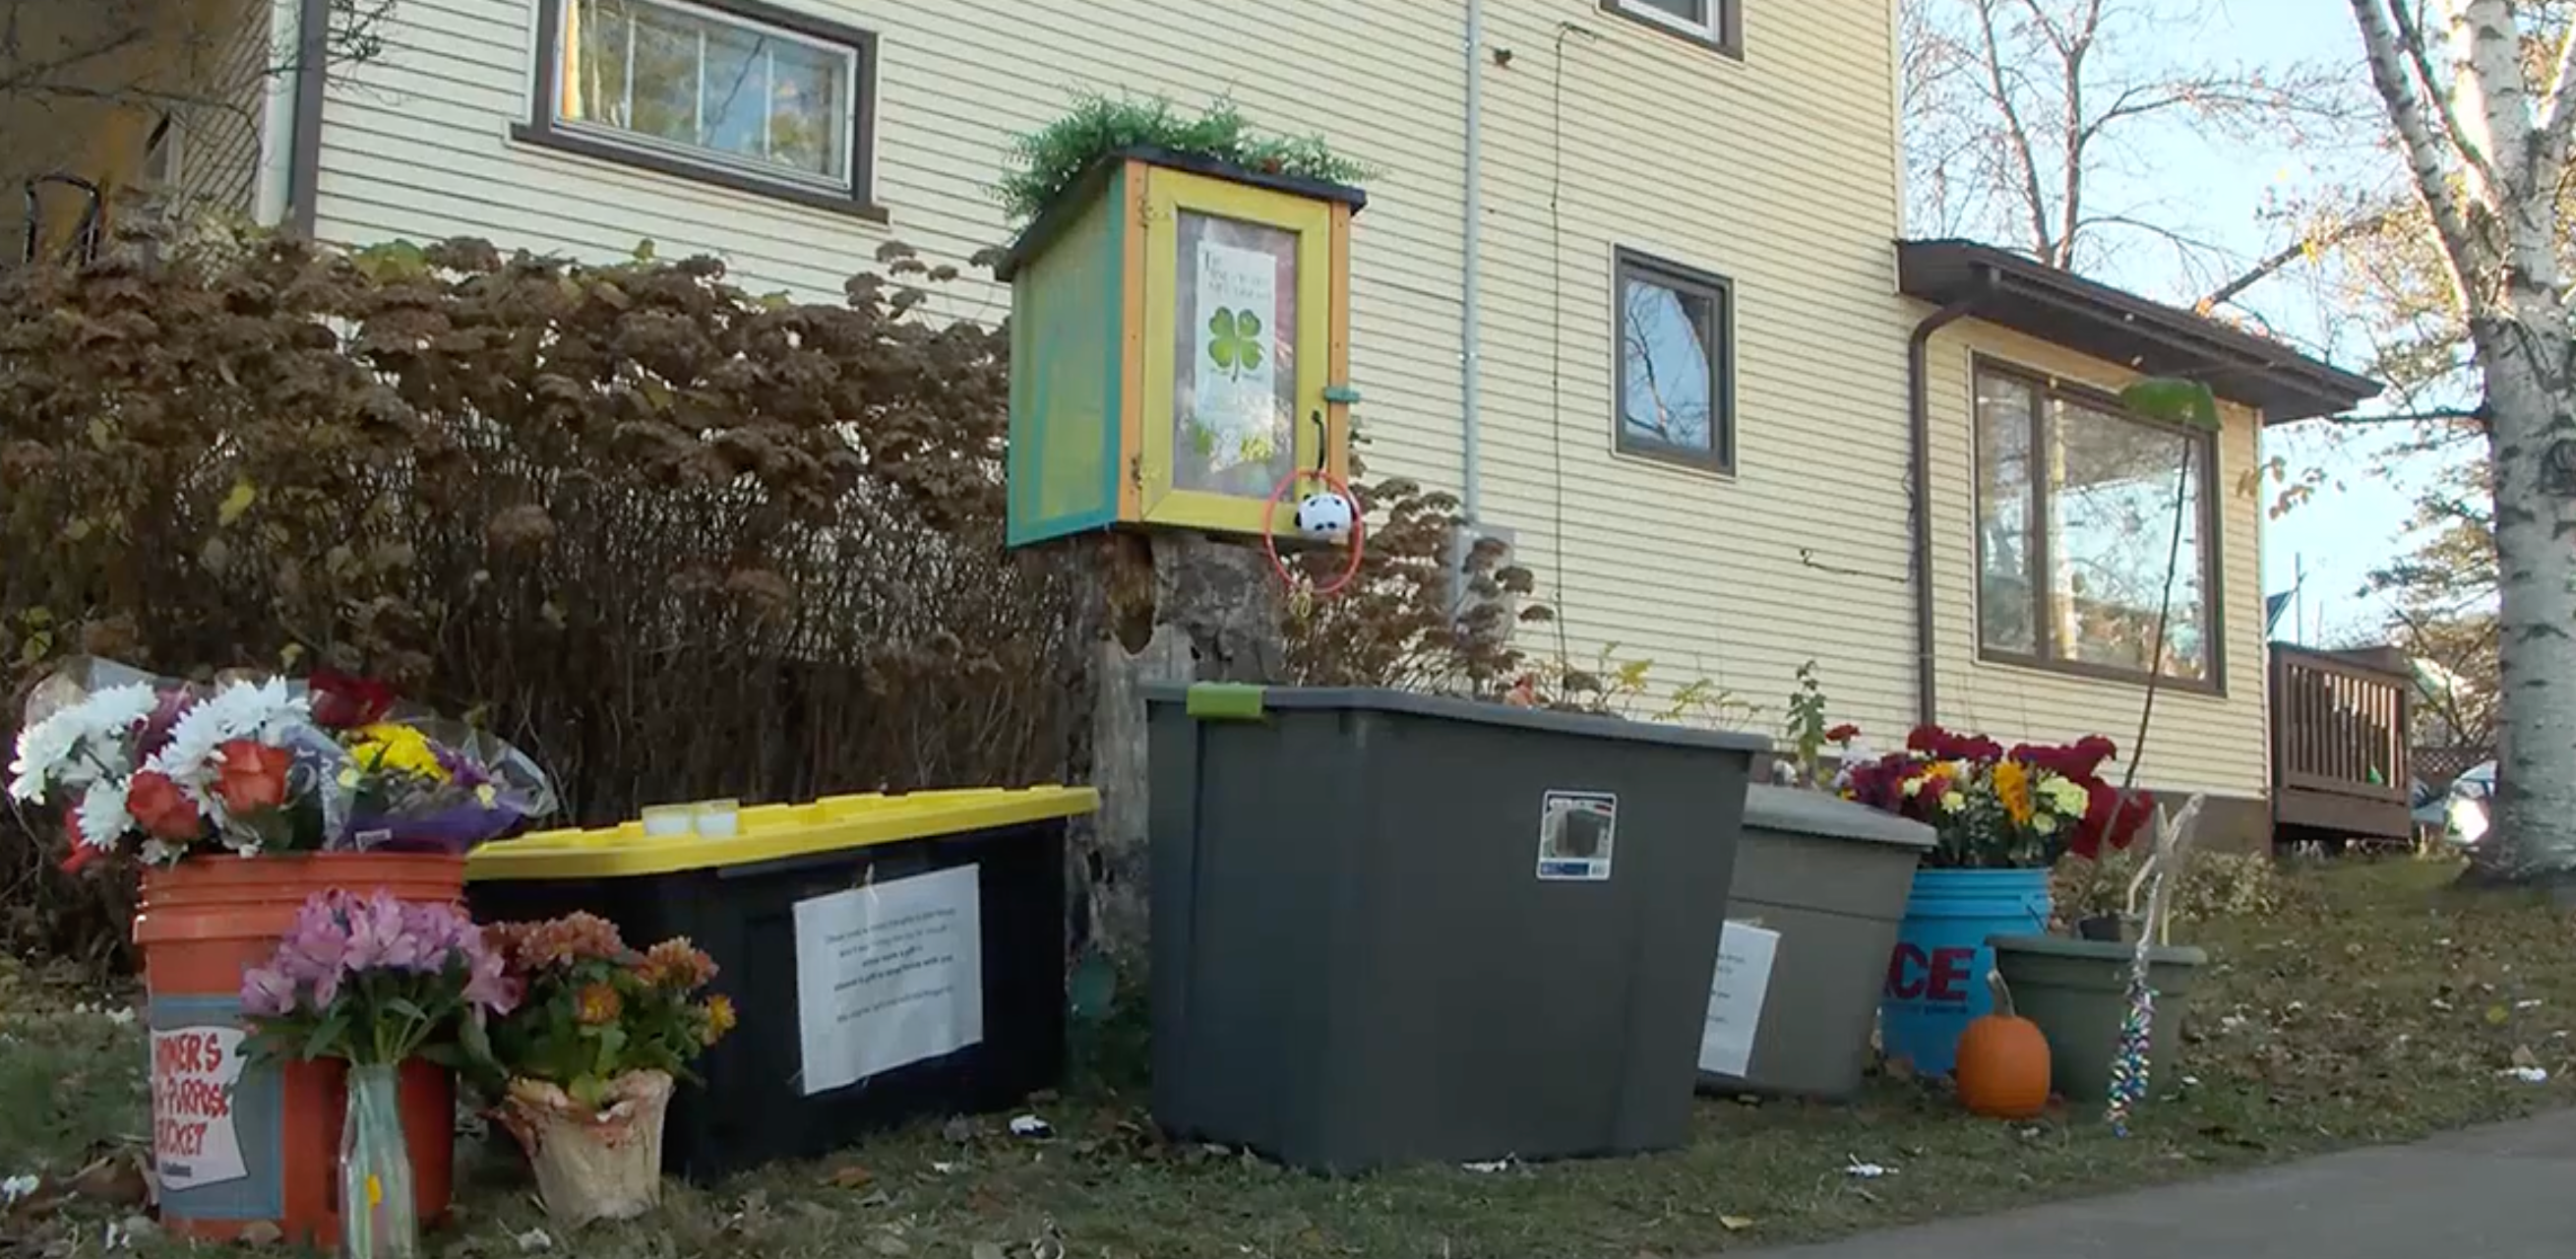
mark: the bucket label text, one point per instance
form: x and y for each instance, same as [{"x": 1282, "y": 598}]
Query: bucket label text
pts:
[
  {"x": 194, "y": 1073},
  {"x": 1939, "y": 976}
]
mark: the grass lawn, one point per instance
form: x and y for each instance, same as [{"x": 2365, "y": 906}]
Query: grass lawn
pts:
[{"x": 2377, "y": 1005}]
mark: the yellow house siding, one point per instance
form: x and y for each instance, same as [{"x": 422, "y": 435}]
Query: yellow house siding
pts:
[
  {"x": 2217, "y": 744},
  {"x": 219, "y": 146},
  {"x": 1777, "y": 172},
  {"x": 417, "y": 145}
]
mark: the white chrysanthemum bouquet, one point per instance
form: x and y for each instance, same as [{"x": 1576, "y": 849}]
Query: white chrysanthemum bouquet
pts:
[{"x": 169, "y": 769}]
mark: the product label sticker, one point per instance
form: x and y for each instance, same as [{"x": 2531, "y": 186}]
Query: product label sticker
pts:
[{"x": 1577, "y": 831}]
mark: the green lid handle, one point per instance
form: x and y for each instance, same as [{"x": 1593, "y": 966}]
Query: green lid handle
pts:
[
  {"x": 1342, "y": 395},
  {"x": 1225, "y": 701}
]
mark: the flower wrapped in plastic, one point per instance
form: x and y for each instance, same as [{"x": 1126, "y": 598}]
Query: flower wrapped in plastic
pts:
[
  {"x": 422, "y": 783},
  {"x": 164, "y": 768}
]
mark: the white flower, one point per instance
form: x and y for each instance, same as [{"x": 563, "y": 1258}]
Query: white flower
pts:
[
  {"x": 243, "y": 710},
  {"x": 156, "y": 853},
  {"x": 17, "y": 1187},
  {"x": 69, "y": 748},
  {"x": 103, "y": 815}
]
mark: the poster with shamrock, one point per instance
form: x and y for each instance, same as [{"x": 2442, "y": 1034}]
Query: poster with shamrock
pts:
[{"x": 1235, "y": 369}]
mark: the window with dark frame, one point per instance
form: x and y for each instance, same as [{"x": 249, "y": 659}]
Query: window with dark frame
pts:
[
  {"x": 1675, "y": 387},
  {"x": 2078, "y": 505},
  {"x": 1716, "y": 23},
  {"x": 734, "y": 92}
]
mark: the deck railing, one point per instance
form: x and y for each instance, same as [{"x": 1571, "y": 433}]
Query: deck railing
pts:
[{"x": 2338, "y": 725}]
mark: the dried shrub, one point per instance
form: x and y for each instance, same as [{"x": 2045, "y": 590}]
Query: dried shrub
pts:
[
  {"x": 1424, "y": 613},
  {"x": 2211, "y": 886},
  {"x": 673, "y": 539}
]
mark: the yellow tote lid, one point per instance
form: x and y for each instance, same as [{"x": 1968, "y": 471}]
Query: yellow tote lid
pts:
[{"x": 773, "y": 832}]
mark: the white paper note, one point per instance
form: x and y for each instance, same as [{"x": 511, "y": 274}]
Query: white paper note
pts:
[
  {"x": 888, "y": 974},
  {"x": 1744, "y": 957}
]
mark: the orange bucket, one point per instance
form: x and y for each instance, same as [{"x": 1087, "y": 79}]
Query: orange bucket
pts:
[{"x": 235, "y": 1143}]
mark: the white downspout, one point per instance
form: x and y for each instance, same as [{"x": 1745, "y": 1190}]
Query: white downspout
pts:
[
  {"x": 1470, "y": 318},
  {"x": 277, "y": 115}
]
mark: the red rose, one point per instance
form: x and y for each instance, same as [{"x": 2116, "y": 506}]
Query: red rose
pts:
[
  {"x": 163, "y": 809},
  {"x": 82, "y": 854},
  {"x": 342, "y": 702},
  {"x": 1843, "y": 733},
  {"x": 253, "y": 779}
]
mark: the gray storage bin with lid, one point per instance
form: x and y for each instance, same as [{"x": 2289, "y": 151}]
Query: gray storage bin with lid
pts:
[
  {"x": 1391, "y": 928},
  {"x": 1831, "y": 877}
]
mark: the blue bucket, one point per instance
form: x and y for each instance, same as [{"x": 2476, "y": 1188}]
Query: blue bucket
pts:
[{"x": 1936, "y": 981}]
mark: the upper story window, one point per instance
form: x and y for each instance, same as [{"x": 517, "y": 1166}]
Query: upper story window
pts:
[
  {"x": 1675, "y": 389},
  {"x": 1716, "y": 23},
  {"x": 2080, "y": 507},
  {"x": 735, "y": 92}
]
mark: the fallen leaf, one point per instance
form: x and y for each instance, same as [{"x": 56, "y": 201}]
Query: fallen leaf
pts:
[
  {"x": 262, "y": 1233},
  {"x": 986, "y": 1250},
  {"x": 534, "y": 1240},
  {"x": 2497, "y": 1015},
  {"x": 889, "y": 1244},
  {"x": 1735, "y": 1223},
  {"x": 2523, "y": 1057},
  {"x": 853, "y": 1177},
  {"x": 115, "y": 1179}
]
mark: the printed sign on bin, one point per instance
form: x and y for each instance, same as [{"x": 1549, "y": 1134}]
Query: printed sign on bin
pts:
[{"x": 195, "y": 1140}]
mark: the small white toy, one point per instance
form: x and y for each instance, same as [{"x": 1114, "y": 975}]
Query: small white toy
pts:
[{"x": 1324, "y": 514}]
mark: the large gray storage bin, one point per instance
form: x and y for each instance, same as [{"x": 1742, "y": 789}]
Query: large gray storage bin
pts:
[
  {"x": 1831, "y": 877},
  {"x": 1363, "y": 957}
]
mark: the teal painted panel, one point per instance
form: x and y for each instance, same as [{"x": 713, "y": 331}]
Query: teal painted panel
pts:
[{"x": 1065, "y": 378}]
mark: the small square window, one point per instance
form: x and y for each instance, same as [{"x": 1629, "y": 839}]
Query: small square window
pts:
[
  {"x": 1716, "y": 23},
  {"x": 1675, "y": 388},
  {"x": 735, "y": 92}
]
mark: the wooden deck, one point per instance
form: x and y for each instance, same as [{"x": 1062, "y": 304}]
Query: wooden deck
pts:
[{"x": 2339, "y": 745}]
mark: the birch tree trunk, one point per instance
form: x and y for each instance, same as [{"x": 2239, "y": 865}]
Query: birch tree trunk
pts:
[{"x": 2487, "y": 153}]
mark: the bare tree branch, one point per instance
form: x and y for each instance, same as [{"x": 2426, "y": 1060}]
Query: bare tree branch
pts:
[{"x": 2405, "y": 98}]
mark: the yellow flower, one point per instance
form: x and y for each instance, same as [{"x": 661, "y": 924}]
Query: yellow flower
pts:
[
  {"x": 720, "y": 1017},
  {"x": 1953, "y": 801},
  {"x": 399, "y": 748},
  {"x": 2066, "y": 796},
  {"x": 486, "y": 796},
  {"x": 2044, "y": 824},
  {"x": 1914, "y": 786},
  {"x": 2012, "y": 787}
]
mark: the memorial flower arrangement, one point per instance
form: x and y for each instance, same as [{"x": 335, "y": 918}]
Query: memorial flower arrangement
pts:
[
  {"x": 1997, "y": 808},
  {"x": 421, "y": 783},
  {"x": 586, "y": 1063},
  {"x": 375, "y": 981},
  {"x": 163, "y": 770}
]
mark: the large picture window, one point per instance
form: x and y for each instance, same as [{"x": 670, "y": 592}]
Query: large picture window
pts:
[
  {"x": 730, "y": 91},
  {"x": 2078, "y": 503}
]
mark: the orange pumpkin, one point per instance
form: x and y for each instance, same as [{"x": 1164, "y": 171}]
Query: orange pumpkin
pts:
[{"x": 2002, "y": 1069}]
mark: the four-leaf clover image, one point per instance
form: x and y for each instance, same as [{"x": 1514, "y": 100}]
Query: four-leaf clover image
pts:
[{"x": 1234, "y": 340}]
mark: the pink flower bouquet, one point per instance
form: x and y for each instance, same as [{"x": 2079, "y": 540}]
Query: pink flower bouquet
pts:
[{"x": 375, "y": 980}]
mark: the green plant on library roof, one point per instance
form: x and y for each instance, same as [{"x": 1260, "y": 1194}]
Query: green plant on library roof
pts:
[{"x": 1046, "y": 162}]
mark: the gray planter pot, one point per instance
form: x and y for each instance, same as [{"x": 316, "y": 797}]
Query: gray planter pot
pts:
[
  {"x": 2077, "y": 991},
  {"x": 1830, "y": 878}
]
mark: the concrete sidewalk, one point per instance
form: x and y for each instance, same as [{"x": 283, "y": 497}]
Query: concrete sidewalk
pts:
[{"x": 2507, "y": 1192}]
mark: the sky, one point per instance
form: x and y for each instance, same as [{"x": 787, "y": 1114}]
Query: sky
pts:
[{"x": 2214, "y": 189}]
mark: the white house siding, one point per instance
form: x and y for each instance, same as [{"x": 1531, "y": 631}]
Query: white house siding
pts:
[{"x": 1778, "y": 171}]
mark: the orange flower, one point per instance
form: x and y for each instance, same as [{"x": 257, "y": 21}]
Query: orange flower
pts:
[
  {"x": 556, "y": 941},
  {"x": 597, "y": 1005},
  {"x": 2012, "y": 786},
  {"x": 253, "y": 777},
  {"x": 720, "y": 1018},
  {"x": 163, "y": 809},
  {"x": 676, "y": 964}
]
